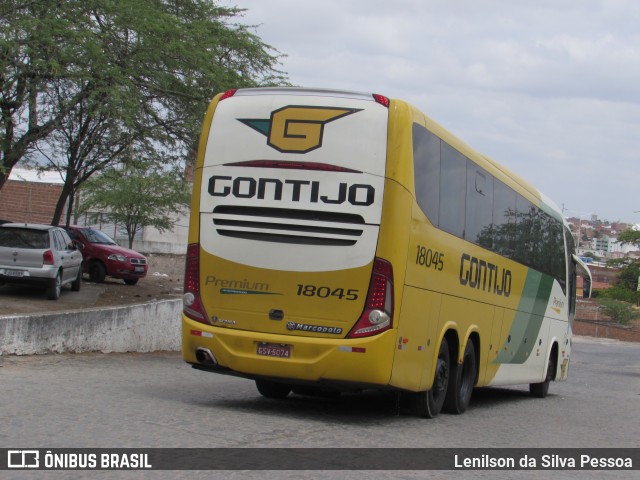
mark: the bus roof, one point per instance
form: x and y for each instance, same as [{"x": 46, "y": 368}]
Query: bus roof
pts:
[{"x": 297, "y": 91}]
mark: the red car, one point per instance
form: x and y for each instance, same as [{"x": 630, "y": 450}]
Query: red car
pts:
[{"x": 104, "y": 257}]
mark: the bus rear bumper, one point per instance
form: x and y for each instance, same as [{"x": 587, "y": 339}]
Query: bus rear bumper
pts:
[{"x": 363, "y": 361}]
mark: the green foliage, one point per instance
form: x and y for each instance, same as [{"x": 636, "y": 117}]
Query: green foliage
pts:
[
  {"x": 621, "y": 312},
  {"x": 617, "y": 262},
  {"x": 626, "y": 288},
  {"x": 628, "y": 276},
  {"x": 630, "y": 236},
  {"x": 87, "y": 80},
  {"x": 619, "y": 292},
  {"x": 138, "y": 196},
  {"x": 39, "y": 45}
]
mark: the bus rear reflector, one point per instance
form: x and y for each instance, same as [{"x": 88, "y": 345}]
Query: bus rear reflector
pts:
[
  {"x": 377, "y": 316},
  {"x": 191, "y": 302}
]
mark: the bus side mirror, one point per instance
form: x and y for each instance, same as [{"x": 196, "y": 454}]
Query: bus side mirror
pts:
[
  {"x": 586, "y": 288},
  {"x": 584, "y": 272}
]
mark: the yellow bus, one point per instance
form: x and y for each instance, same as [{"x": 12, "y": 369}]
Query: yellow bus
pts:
[{"x": 346, "y": 241}]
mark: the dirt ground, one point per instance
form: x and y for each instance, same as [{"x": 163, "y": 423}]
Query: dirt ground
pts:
[{"x": 163, "y": 281}]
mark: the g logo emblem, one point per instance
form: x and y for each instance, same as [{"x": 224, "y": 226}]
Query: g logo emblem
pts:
[{"x": 297, "y": 129}]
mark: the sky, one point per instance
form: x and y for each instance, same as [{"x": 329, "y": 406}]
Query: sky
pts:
[{"x": 549, "y": 88}]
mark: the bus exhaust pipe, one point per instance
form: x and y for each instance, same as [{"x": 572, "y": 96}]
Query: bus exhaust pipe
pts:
[{"x": 205, "y": 357}]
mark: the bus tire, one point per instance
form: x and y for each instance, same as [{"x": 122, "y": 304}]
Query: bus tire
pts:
[
  {"x": 428, "y": 404},
  {"x": 463, "y": 377},
  {"x": 540, "y": 390},
  {"x": 271, "y": 389}
]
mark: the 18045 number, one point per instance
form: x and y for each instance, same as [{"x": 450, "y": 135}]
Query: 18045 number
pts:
[
  {"x": 327, "y": 292},
  {"x": 430, "y": 258}
]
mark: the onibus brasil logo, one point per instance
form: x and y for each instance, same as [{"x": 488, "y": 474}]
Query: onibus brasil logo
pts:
[{"x": 297, "y": 129}]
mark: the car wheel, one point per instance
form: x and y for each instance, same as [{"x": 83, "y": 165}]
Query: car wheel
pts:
[
  {"x": 97, "y": 272},
  {"x": 75, "y": 286},
  {"x": 130, "y": 281},
  {"x": 55, "y": 287}
]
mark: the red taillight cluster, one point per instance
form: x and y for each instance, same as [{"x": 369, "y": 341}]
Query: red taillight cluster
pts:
[
  {"x": 228, "y": 94},
  {"x": 378, "y": 311},
  {"x": 381, "y": 99},
  {"x": 191, "y": 302},
  {"x": 47, "y": 258}
]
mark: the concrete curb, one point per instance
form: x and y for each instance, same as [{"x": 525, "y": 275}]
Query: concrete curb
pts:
[{"x": 134, "y": 328}]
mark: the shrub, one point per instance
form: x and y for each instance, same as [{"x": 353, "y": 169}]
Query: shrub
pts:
[
  {"x": 619, "y": 292},
  {"x": 621, "y": 312}
]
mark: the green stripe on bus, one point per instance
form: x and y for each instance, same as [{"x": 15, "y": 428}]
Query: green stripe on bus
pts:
[{"x": 526, "y": 326}]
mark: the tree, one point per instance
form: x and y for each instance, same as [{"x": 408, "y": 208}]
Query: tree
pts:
[
  {"x": 630, "y": 236},
  {"x": 626, "y": 287},
  {"x": 39, "y": 44},
  {"x": 90, "y": 138},
  {"x": 628, "y": 276},
  {"x": 142, "y": 73},
  {"x": 137, "y": 196}
]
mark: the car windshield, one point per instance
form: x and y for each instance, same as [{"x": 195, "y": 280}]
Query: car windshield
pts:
[
  {"x": 24, "y": 238},
  {"x": 96, "y": 236}
]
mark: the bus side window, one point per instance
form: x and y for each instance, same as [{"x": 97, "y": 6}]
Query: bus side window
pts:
[
  {"x": 479, "y": 211},
  {"x": 426, "y": 165},
  {"x": 453, "y": 190}
]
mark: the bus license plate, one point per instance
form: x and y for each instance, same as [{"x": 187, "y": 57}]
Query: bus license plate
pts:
[{"x": 274, "y": 350}]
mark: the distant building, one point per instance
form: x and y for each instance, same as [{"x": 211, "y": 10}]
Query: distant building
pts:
[
  {"x": 603, "y": 277},
  {"x": 30, "y": 196}
]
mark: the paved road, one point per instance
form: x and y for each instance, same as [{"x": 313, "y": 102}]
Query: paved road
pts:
[{"x": 156, "y": 400}]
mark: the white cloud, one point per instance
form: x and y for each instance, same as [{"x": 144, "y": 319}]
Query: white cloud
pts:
[{"x": 550, "y": 88}]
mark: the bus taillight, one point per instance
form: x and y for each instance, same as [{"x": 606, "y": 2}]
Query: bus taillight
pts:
[
  {"x": 381, "y": 99},
  {"x": 378, "y": 312},
  {"x": 191, "y": 303},
  {"x": 228, "y": 94}
]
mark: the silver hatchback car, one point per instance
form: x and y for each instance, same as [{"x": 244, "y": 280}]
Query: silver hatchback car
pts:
[{"x": 41, "y": 255}]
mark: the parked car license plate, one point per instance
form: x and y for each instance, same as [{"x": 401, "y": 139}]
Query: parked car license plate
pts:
[
  {"x": 138, "y": 269},
  {"x": 14, "y": 273},
  {"x": 274, "y": 350}
]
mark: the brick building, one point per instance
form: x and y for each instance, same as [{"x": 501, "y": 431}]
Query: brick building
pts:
[
  {"x": 30, "y": 197},
  {"x": 603, "y": 277}
]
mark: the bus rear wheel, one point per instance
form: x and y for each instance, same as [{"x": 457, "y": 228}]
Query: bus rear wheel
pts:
[
  {"x": 463, "y": 378},
  {"x": 428, "y": 404}
]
